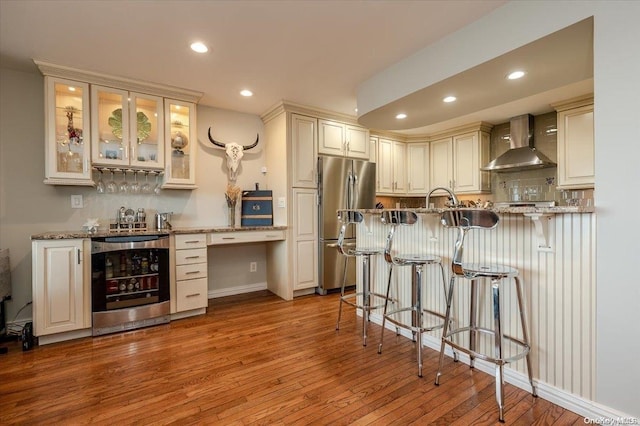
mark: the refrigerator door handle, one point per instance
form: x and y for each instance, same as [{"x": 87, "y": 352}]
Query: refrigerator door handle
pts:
[{"x": 354, "y": 191}]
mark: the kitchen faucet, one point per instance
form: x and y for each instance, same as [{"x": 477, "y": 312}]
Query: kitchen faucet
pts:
[{"x": 452, "y": 197}]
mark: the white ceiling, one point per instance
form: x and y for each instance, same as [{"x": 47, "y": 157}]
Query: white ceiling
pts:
[{"x": 309, "y": 52}]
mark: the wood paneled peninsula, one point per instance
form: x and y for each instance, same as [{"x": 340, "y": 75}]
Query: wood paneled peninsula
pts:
[{"x": 554, "y": 250}]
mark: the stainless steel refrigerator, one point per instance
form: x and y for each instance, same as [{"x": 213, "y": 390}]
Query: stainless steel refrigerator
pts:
[{"x": 342, "y": 184}]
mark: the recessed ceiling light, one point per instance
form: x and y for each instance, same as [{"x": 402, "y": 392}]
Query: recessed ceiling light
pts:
[
  {"x": 401, "y": 116},
  {"x": 449, "y": 99},
  {"x": 515, "y": 75},
  {"x": 199, "y": 47},
  {"x": 355, "y": 109},
  {"x": 246, "y": 93}
]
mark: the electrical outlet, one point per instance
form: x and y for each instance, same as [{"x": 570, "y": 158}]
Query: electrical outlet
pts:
[
  {"x": 281, "y": 202},
  {"x": 253, "y": 267},
  {"x": 76, "y": 202}
]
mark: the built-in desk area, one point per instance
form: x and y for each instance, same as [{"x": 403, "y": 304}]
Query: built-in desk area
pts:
[{"x": 189, "y": 266}]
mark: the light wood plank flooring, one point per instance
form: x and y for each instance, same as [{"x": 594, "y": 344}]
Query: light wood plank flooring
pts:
[{"x": 253, "y": 359}]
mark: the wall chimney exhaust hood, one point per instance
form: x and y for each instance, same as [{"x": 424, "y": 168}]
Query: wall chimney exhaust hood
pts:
[{"x": 521, "y": 155}]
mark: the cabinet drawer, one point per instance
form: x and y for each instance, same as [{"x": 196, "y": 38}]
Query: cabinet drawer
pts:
[
  {"x": 187, "y": 257},
  {"x": 189, "y": 272},
  {"x": 189, "y": 241},
  {"x": 191, "y": 294},
  {"x": 219, "y": 238}
]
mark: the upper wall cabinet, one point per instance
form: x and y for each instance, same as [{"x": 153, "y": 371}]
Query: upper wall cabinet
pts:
[
  {"x": 303, "y": 149},
  {"x": 576, "y": 167},
  {"x": 127, "y": 129},
  {"x": 131, "y": 124},
  {"x": 456, "y": 160},
  {"x": 181, "y": 141},
  {"x": 342, "y": 139},
  {"x": 68, "y": 135},
  {"x": 417, "y": 168},
  {"x": 390, "y": 168}
]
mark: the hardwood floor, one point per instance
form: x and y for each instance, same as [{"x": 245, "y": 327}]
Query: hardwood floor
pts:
[{"x": 253, "y": 359}]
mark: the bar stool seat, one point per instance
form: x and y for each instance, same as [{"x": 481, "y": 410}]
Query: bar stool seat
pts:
[
  {"x": 417, "y": 262},
  {"x": 464, "y": 220},
  {"x": 350, "y": 250}
]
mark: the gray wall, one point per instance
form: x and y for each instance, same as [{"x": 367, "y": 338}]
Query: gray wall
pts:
[{"x": 28, "y": 206}]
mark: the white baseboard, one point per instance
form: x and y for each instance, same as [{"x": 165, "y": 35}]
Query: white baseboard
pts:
[
  {"x": 589, "y": 409},
  {"x": 231, "y": 291}
]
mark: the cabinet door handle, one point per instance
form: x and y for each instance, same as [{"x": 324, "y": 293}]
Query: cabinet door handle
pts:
[
  {"x": 78, "y": 255},
  {"x": 192, "y": 242},
  {"x": 228, "y": 238},
  {"x": 192, "y": 272},
  {"x": 192, "y": 257},
  {"x": 271, "y": 236},
  {"x": 193, "y": 295}
]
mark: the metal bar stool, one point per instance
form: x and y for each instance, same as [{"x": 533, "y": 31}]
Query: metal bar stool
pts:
[
  {"x": 417, "y": 263},
  {"x": 349, "y": 250},
  {"x": 464, "y": 220}
]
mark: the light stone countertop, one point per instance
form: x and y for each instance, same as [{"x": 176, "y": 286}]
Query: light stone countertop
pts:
[
  {"x": 503, "y": 210},
  {"x": 64, "y": 235}
]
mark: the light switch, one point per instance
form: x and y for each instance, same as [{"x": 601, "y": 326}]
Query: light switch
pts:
[
  {"x": 281, "y": 202},
  {"x": 76, "y": 202}
]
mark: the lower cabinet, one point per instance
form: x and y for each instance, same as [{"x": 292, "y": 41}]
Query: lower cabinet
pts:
[
  {"x": 61, "y": 285},
  {"x": 305, "y": 245},
  {"x": 191, "y": 289}
]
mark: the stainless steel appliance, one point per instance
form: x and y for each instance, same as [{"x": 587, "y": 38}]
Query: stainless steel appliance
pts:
[
  {"x": 129, "y": 282},
  {"x": 342, "y": 184}
]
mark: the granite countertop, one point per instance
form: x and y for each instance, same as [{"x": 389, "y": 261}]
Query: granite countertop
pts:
[
  {"x": 63, "y": 235},
  {"x": 508, "y": 210}
]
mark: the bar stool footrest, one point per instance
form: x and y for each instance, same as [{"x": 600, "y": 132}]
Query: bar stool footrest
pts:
[
  {"x": 412, "y": 328},
  {"x": 521, "y": 354}
]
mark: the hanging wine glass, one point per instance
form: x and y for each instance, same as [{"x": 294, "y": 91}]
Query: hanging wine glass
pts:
[
  {"x": 100, "y": 187},
  {"x": 112, "y": 187},
  {"x": 134, "y": 188},
  {"x": 158, "y": 187},
  {"x": 146, "y": 186},
  {"x": 124, "y": 186}
]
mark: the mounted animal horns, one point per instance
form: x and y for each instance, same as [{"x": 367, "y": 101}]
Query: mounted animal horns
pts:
[{"x": 222, "y": 145}]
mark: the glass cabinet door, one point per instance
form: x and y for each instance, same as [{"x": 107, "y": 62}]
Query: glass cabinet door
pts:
[
  {"x": 147, "y": 131},
  {"x": 181, "y": 144},
  {"x": 110, "y": 123},
  {"x": 68, "y": 132}
]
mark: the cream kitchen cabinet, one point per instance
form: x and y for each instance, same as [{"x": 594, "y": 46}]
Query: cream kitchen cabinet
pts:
[
  {"x": 340, "y": 139},
  {"x": 456, "y": 160},
  {"x": 127, "y": 129},
  {"x": 391, "y": 167},
  {"x": 417, "y": 168},
  {"x": 181, "y": 144},
  {"x": 68, "y": 133},
  {"x": 373, "y": 150},
  {"x": 61, "y": 285},
  {"x": 191, "y": 285},
  {"x": 305, "y": 229},
  {"x": 304, "y": 142},
  {"x": 576, "y": 167}
]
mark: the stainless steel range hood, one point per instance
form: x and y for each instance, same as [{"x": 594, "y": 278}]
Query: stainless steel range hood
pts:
[{"x": 522, "y": 155}]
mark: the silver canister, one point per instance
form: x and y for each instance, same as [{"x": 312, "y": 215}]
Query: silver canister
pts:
[{"x": 141, "y": 216}]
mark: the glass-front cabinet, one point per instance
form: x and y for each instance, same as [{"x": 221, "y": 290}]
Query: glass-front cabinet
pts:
[
  {"x": 127, "y": 129},
  {"x": 181, "y": 141},
  {"x": 67, "y": 132}
]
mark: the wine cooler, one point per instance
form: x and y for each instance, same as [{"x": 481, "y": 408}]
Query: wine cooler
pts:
[{"x": 130, "y": 282}]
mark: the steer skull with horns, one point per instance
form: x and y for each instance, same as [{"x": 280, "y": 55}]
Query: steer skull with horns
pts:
[{"x": 234, "y": 153}]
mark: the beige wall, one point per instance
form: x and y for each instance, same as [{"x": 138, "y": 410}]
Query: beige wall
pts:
[{"x": 27, "y": 206}]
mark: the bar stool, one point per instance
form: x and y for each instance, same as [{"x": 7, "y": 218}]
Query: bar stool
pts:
[
  {"x": 349, "y": 250},
  {"x": 417, "y": 262},
  {"x": 464, "y": 220}
]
